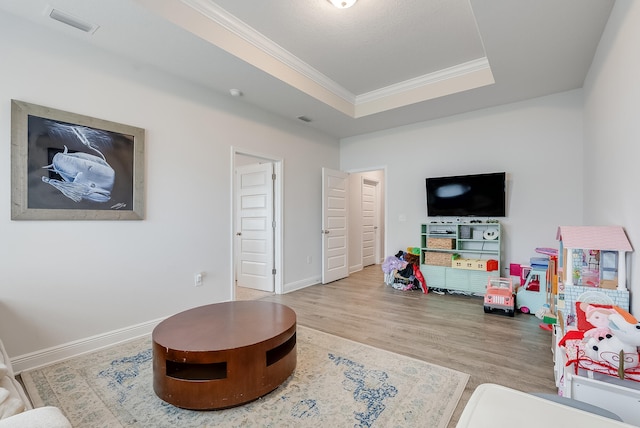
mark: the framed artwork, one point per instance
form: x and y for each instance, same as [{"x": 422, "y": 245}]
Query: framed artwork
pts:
[{"x": 65, "y": 166}]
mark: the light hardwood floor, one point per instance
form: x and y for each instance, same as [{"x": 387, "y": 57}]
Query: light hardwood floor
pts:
[
  {"x": 245, "y": 293},
  {"x": 449, "y": 330}
]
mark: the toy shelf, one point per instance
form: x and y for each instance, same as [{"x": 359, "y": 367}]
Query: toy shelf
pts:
[{"x": 444, "y": 244}]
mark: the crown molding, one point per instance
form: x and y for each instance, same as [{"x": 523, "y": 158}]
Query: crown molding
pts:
[
  {"x": 442, "y": 82},
  {"x": 456, "y": 71},
  {"x": 257, "y": 39}
]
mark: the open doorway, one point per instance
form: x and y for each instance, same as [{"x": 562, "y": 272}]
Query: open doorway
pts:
[
  {"x": 257, "y": 225},
  {"x": 366, "y": 218}
]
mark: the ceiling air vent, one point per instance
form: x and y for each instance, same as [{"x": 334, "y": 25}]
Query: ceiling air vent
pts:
[{"x": 71, "y": 20}]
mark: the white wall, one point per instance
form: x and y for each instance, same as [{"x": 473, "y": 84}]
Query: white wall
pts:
[
  {"x": 68, "y": 280},
  {"x": 612, "y": 133},
  {"x": 63, "y": 281},
  {"x": 537, "y": 142}
]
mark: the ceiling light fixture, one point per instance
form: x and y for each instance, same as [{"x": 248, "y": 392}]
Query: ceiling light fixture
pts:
[{"x": 342, "y": 4}]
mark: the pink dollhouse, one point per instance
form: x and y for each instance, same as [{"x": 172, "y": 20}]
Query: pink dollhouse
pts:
[
  {"x": 592, "y": 283},
  {"x": 594, "y": 256},
  {"x": 591, "y": 258}
]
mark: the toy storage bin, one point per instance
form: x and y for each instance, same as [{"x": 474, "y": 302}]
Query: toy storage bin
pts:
[
  {"x": 441, "y": 243},
  {"x": 475, "y": 264},
  {"x": 437, "y": 259}
]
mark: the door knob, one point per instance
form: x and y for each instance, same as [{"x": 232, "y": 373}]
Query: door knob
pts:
[{"x": 238, "y": 233}]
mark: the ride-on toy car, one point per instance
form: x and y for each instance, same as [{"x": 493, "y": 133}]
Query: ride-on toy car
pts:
[
  {"x": 532, "y": 294},
  {"x": 500, "y": 295}
]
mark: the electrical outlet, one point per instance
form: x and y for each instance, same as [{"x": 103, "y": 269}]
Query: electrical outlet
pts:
[{"x": 198, "y": 279}]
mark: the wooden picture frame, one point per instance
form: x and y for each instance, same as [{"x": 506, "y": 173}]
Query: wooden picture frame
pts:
[{"x": 66, "y": 166}]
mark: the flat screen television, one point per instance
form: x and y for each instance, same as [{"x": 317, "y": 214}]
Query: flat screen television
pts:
[{"x": 479, "y": 195}]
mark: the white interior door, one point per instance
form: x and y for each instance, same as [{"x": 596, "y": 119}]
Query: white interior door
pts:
[
  {"x": 254, "y": 223},
  {"x": 369, "y": 221},
  {"x": 335, "y": 198}
]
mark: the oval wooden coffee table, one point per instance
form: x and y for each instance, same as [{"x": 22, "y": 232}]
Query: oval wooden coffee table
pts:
[{"x": 224, "y": 354}]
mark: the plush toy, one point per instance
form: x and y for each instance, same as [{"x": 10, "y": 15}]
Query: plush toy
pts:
[
  {"x": 624, "y": 337},
  {"x": 627, "y": 332},
  {"x": 599, "y": 318},
  {"x": 608, "y": 350},
  {"x": 411, "y": 258}
]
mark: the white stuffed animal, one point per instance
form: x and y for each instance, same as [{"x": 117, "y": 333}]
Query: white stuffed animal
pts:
[
  {"x": 608, "y": 350},
  {"x": 624, "y": 337},
  {"x": 627, "y": 332}
]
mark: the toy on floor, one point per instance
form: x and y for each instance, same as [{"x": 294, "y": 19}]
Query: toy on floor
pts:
[
  {"x": 500, "y": 295},
  {"x": 402, "y": 271},
  {"x": 531, "y": 295}
]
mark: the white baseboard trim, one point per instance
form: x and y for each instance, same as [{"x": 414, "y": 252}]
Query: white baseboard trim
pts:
[
  {"x": 299, "y": 285},
  {"x": 58, "y": 353},
  {"x": 356, "y": 268}
]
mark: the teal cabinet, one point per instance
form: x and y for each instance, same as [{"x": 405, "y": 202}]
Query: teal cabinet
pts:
[{"x": 445, "y": 245}]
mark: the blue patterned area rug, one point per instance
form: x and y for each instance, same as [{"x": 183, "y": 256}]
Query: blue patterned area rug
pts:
[{"x": 337, "y": 382}]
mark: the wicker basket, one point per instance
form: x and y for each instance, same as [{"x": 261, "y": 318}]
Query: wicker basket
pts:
[
  {"x": 437, "y": 259},
  {"x": 441, "y": 243}
]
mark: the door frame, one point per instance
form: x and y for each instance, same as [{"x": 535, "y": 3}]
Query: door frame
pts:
[
  {"x": 376, "y": 226},
  {"x": 384, "y": 206},
  {"x": 278, "y": 187},
  {"x": 263, "y": 279}
]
